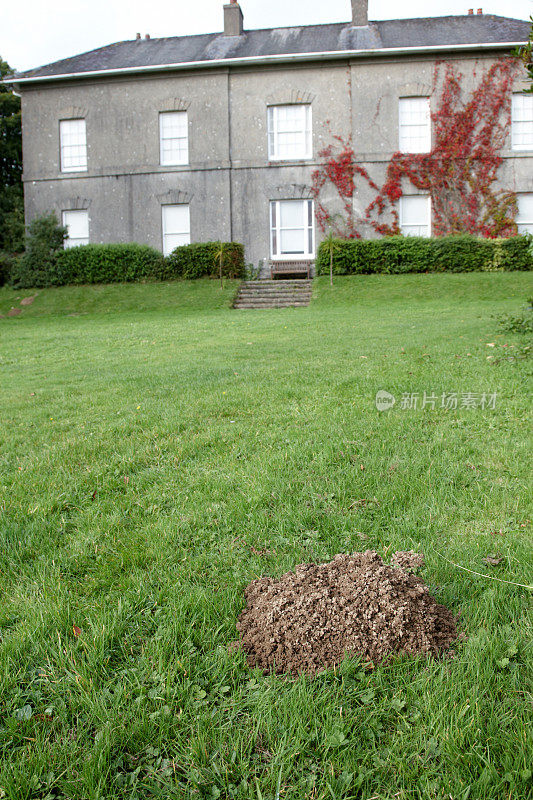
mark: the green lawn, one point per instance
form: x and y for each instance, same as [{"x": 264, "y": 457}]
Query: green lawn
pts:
[{"x": 158, "y": 451}]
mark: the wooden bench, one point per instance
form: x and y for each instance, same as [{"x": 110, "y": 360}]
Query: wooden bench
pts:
[{"x": 290, "y": 268}]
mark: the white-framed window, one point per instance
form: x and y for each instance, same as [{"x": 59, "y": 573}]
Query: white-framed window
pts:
[
  {"x": 415, "y": 215},
  {"x": 524, "y": 218},
  {"x": 73, "y": 145},
  {"x": 174, "y": 138},
  {"x": 415, "y": 125},
  {"x": 290, "y": 132},
  {"x": 77, "y": 225},
  {"x": 176, "y": 224},
  {"x": 292, "y": 229},
  {"x": 522, "y": 122}
]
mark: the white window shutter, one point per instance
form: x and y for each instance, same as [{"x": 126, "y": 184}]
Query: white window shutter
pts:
[
  {"x": 174, "y": 138},
  {"x": 176, "y": 224},
  {"x": 77, "y": 225},
  {"x": 524, "y": 218},
  {"x": 73, "y": 145},
  {"x": 414, "y": 125},
  {"x": 415, "y": 215},
  {"x": 290, "y": 129},
  {"x": 522, "y": 122}
]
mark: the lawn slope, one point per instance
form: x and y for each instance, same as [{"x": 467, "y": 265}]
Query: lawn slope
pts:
[{"x": 158, "y": 451}]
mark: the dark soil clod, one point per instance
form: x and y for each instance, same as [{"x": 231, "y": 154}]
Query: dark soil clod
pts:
[{"x": 309, "y": 619}]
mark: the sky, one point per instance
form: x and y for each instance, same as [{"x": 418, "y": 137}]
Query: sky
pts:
[{"x": 35, "y": 32}]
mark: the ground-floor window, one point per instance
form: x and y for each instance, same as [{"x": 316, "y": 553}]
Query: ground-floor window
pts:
[
  {"x": 292, "y": 230},
  {"x": 176, "y": 223},
  {"x": 524, "y": 218},
  {"x": 77, "y": 225},
  {"x": 415, "y": 215}
]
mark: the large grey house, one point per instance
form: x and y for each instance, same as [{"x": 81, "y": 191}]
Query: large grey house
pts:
[{"x": 194, "y": 138}]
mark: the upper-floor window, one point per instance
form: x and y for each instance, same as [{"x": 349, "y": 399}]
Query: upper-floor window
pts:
[
  {"x": 292, "y": 230},
  {"x": 524, "y": 218},
  {"x": 415, "y": 125},
  {"x": 290, "y": 132},
  {"x": 415, "y": 215},
  {"x": 77, "y": 225},
  {"x": 176, "y": 223},
  {"x": 73, "y": 140},
  {"x": 522, "y": 122},
  {"x": 174, "y": 138}
]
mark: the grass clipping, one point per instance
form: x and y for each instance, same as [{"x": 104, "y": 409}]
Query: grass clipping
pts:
[{"x": 310, "y": 619}]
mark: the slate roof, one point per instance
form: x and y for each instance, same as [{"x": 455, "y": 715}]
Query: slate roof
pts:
[{"x": 401, "y": 33}]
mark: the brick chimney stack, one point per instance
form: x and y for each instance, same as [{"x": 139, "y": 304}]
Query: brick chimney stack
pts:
[
  {"x": 233, "y": 19},
  {"x": 359, "y": 13}
]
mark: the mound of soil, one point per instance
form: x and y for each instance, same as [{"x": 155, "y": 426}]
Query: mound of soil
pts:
[{"x": 309, "y": 619}]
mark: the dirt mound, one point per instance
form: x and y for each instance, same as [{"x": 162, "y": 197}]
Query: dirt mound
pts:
[{"x": 311, "y": 618}]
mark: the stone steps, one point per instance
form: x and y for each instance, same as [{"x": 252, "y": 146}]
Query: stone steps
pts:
[
  {"x": 274, "y": 304},
  {"x": 274, "y": 294}
]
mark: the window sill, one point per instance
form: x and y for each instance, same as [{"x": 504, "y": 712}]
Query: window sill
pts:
[
  {"x": 283, "y": 162},
  {"x": 295, "y": 257}
]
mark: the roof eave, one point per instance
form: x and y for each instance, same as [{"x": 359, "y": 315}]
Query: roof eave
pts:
[{"x": 272, "y": 59}]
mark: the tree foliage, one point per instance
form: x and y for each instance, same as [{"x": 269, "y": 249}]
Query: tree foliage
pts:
[
  {"x": 11, "y": 203},
  {"x": 44, "y": 243},
  {"x": 526, "y": 54}
]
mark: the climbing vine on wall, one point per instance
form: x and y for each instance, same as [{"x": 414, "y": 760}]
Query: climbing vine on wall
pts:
[
  {"x": 340, "y": 168},
  {"x": 469, "y": 131}
]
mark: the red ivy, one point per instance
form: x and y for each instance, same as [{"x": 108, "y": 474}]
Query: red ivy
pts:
[
  {"x": 468, "y": 134},
  {"x": 340, "y": 169}
]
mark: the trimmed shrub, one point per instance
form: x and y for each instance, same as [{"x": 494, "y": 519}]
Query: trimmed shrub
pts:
[
  {"x": 515, "y": 253},
  {"x": 37, "y": 266},
  {"x": 463, "y": 253},
  {"x": 7, "y": 264},
  {"x": 199, "y": 260},
  {"x": 401, "y": 254},
  {"x": 109, "y": 263}
]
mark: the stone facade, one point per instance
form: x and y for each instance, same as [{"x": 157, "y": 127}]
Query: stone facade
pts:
[{"x": 229, "y": 181}]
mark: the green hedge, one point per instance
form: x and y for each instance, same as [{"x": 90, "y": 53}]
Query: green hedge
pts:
[
  {"x": 200, "y": 260},
  {"x": 92, "y": 263},
  {"x": 400, "y": 254},
  {"x": 108, "y": 263},
  {"x": 121, "y": 263}
]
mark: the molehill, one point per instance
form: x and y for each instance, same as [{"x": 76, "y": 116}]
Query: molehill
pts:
[{"x": 310, "y": 619}]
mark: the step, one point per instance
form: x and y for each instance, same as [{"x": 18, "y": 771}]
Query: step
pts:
[
  {"x": 257, "y": 293},
  {"x": 282, "y": 289},
  {"x": 251, "y": 306},
  {"x": 279, "y": 304},
  {"x": 275, "y": 295},
  {"x": 276, "y": 288},
  {"x": 276, "y": 292},
  {"x": 276, "y": 301},
  {"x": 277, "y": 284}
]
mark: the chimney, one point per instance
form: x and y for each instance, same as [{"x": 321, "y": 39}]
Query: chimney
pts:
[
  {"x": 470, "y": 12},
  {"x": 359, "y": 13},
  {"x": 147, "y": 36},
  {"x": 480, "y": 11},
  {"x": 137, "y": 35},
  {"x": 233, "y": 19}
]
